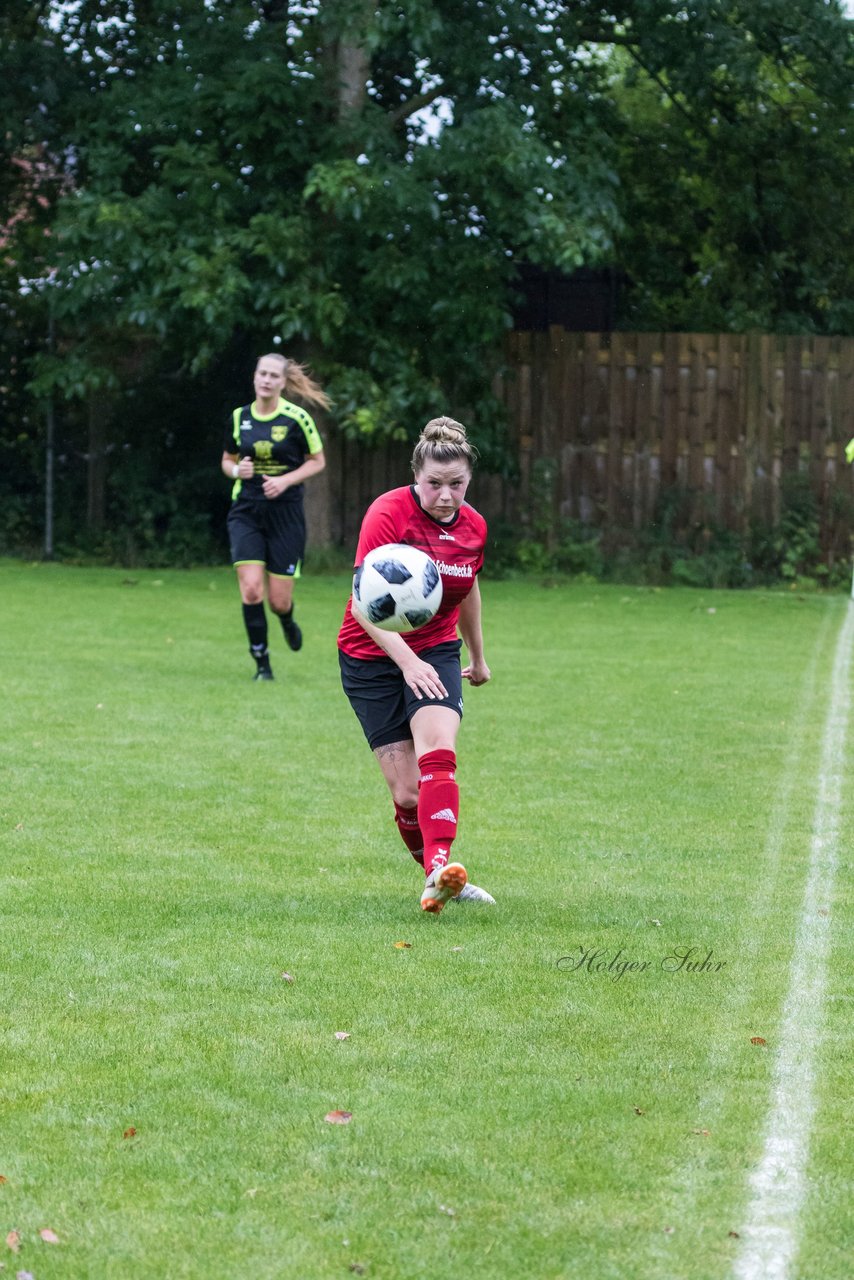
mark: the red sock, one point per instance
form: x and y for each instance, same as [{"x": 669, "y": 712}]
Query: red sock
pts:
[
  {"x": 410, "y": 832},
  {"x": 438, "y": 806}
]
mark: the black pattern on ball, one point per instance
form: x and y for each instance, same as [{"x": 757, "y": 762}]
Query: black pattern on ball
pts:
[
  {"x": 393, "y": 571},
  {"x": 417, "y": 617},
  {"x": 379, "y": 610},
  {"x": 431, "y": 577}
]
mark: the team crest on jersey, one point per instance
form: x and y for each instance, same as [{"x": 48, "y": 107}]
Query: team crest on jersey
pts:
[
  {"x": 263, "y": 449},
  {"x": 279, "y": 433}
]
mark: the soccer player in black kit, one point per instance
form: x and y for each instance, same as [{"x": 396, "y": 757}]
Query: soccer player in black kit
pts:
[{"x": 271, "y": 448}]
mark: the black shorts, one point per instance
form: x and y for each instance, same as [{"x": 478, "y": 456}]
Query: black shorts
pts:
[
  {"x": 384, "y": 702},
  {"x": 271, "y": 533}
]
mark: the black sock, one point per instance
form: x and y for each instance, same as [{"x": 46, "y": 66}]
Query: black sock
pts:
[
  {"x": 255, "y": 621},
  {"x": 287, "y": 618}
]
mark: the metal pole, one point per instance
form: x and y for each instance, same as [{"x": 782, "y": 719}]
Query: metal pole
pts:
[{"x": 49, "y": 450}]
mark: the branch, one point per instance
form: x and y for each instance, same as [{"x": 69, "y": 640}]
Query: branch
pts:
[
  {"x": 417, "y": 103},
  {"x": 671, "y": 94}
]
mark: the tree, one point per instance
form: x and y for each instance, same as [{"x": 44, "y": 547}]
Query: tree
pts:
[
  {"x": 360, "y": 180},
  {"x": 736, "y": 161},
  {"x": 265, "y": 167}
]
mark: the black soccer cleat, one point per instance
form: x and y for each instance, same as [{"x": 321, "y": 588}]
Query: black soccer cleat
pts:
[
  {"x": 264, "y": 672},
  {"x": 293, "y": 635}
]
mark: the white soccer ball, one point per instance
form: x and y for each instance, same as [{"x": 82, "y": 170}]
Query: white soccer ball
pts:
[{"x": 397, "y": 587}]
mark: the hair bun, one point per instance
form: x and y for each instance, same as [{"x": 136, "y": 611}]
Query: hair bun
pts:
[{"x": 445, "y": 430}]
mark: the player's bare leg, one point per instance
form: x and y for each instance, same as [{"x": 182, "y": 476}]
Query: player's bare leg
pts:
[{"x": 280, "y": 593}]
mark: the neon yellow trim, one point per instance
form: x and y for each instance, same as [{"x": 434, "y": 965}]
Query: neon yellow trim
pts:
[
  {"x": 265, "y": 417},
  {"x": 238, "y": 563},
  {"x": 313, "y": 441},
  {"x": 286, "y": 577}
]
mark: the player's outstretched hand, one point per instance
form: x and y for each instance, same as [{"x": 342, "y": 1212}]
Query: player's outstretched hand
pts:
[
  {"x": 423, "y": 679},
  {"x": 477, "y": 673}
]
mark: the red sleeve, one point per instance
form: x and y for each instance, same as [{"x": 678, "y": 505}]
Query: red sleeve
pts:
[{"x": 380, "y": 526}]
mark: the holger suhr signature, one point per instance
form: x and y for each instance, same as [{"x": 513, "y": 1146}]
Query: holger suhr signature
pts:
[{"x": 616, "y": 964}]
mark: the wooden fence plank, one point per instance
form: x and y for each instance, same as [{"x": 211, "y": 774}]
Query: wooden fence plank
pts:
[
  {"x": 725, "y": 430},
  {"x": 670, "y": 423}
]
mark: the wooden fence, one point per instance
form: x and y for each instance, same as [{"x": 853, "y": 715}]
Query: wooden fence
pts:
[{"x": 603, "y": 426}]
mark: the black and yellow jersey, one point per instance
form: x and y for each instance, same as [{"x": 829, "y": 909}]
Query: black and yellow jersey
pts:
[{"x": 276, "y": 442}]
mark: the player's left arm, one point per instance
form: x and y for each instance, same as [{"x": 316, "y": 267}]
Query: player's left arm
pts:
[
  {"x": 471, "y": 630},
  {"x": 274, "y": 486}
]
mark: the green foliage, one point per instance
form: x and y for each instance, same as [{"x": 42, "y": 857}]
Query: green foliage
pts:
[
  {"x": 221, "y": 181},
  {"x": 186, "y": 182},
  {"x": 798, "y": 543},
  {"x": 673, "y": 551},
  {"x": 736, "y": 161}
]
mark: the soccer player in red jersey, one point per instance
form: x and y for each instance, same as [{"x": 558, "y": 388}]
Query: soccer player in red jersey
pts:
[{"x": 406, "y": 690}]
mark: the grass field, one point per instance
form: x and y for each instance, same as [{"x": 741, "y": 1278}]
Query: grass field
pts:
[{"x": 644, "y": 776}]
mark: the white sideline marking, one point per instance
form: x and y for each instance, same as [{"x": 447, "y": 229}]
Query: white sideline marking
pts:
[
  {"x": 770, "y": 1235},
  {"x": 720, "y": 1058}
]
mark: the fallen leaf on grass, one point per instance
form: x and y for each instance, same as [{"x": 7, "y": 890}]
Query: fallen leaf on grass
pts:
[
  {"x": 357, "y": 1268},
  {"x": 251, "y": 1193},
  {"x": 703, "y": 1133},
  {"x": 49, "y": 1237},
  {"x": 657, "y": 923},
  {"x": 668, "y": 1231},
  {"x": 401, "y": 945},
  {"x": 19, "y": 826},
  {"x": 823, "y": 911},
  {"x": 446, "y": 1208},
  {"x": 13, "y": 1240},
  {"x": 342, "y": 1035},
  {"x": 287, "y": 977},
  {"x": 733, "y": 1235},
  {"x": 456, "y": 948},
  {"x": 2, "y": 1179},
  {"x": 338, "y": 1117},
  {"x": 129, "y": 1133},
  {"x": 639, "y": 1111},
  {"x": 758, "y": 1040}
]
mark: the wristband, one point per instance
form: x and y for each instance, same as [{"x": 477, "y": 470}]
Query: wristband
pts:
[{"x": 235, "y": 469}]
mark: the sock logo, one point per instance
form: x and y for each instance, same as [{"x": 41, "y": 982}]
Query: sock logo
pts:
[
  {"x": 447, "y": 815},
  {"x": 441, "y": 858}
]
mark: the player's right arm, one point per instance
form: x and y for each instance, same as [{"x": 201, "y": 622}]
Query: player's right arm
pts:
[
  {"x": 418, "y": 674},
  {"x": 378, "y": 528}
]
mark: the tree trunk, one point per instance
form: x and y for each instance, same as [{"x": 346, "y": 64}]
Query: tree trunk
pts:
[{"x": 99, "y": 416}]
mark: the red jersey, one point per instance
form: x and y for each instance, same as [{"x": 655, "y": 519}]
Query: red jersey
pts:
[{"x": 457, "y": 548}]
